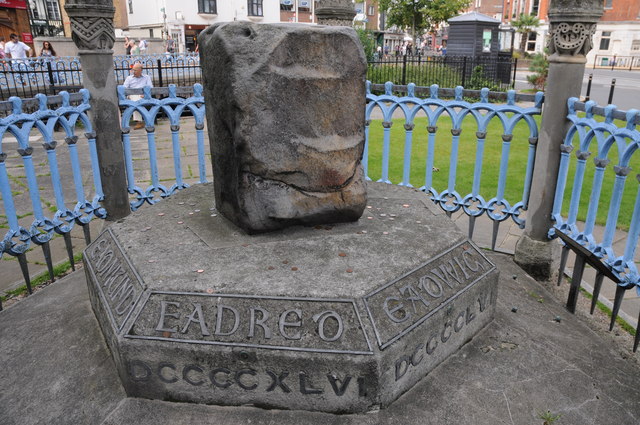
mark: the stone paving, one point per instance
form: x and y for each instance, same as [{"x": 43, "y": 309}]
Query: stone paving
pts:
[{"x": 11, "y": 276}]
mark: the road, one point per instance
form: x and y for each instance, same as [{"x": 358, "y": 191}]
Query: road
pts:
[{"x": 626, "y": 94}]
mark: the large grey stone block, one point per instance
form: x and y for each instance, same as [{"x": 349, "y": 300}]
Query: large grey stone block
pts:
[
  {"x": 340, "y": 318},
  {"x": 285, "y": 112}
]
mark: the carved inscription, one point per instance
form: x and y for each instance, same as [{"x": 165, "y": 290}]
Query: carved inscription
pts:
[
  {"x": 116, "y": 280},
  {"x": 270, "y": 322},
  {"x": 402, "y": 304},
  {"x": 453, "y": 324},
  {"x": 217, "y": 378}
]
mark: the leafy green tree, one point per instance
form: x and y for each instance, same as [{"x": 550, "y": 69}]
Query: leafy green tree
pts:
[
  {"x": 420, "y": 16},
  {"x": 525, "y": 24},
  {"x": 368, "y": 42}
]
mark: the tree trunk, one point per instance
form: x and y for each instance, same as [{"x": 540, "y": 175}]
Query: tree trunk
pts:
[{"x": 523, "y": 41}]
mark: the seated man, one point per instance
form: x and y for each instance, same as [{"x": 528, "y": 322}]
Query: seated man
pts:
[{"x": 137, "y": 80}]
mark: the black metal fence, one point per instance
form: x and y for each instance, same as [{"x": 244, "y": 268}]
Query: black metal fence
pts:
[
  {"x": 27, "y": 77},
  {"x": 446, "y": 71}
]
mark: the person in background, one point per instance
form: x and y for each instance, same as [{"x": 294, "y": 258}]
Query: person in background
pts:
[
  {"x": 143, "y": 46},
  {"x": 47, "y": 50},
  {"x": 1, "y": 47},
  {"x": 17, "y": 50},
  {"x": 127, "y": 46},
  {"x": 47, "y": 53},
  {"x": 137, "y": 80},
  {"x": 135, "y": 50},
  {"x": 170, "y": 48}
]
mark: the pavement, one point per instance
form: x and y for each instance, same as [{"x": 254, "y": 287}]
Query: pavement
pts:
[{"x": 533, "y": 358}]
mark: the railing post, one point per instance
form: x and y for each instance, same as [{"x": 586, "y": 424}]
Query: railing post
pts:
[
  {"x": 515, "y": 71},
  {"x": 404, "y": 70},
  {"x": 464, "y": 71},
  {"x": 160, "y": 73},
  {"x": 569, "y": 20},
  {"x": 93, "y": 34},
  {"x": 52, "y": 83}
]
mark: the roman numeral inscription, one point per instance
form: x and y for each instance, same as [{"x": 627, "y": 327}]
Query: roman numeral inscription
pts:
[
  {"x": 116, "y": 280},
  {"x": 404, "y": 303},
  {"x": 301, "y": 324}
]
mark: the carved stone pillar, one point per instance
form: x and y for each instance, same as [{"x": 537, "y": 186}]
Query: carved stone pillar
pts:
[
  {"x": 335, "y": 12},
  {"x": 572, "y": 25},
  {"x": 92, "y": 32}
]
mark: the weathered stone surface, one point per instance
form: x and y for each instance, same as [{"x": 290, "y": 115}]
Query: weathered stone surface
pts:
[
  {"x": 285, "y": 133},
  {"x": 340, "y": 318}
]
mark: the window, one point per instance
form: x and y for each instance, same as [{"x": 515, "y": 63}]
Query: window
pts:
[
  {"x": 254, "y": 7},
  {"x": 207, "y": 6},
  {"x": 604, "y": 41},
  {"x": 635, "y": 45},
  {"x": 608, "y": 4},
  {"x": 304, "y": 5},
  {"x": 531, "y": 41},
  {"x": 535, "y": 6},
  {"x": 130, "y": 6},
  {"x": 150, "y": 32},
  {"x": 53, "y": 11},
  {"x": 372, "y": 11},
  {"x": 286, "y": 5}
]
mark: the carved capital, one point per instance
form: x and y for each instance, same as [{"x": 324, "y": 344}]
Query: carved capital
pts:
[
  {"x": 335, "y": 12},
  {"x": 91, "y": 25},
  {"x": 571, "y": 38},
  {"x": 572, "y": 24}
]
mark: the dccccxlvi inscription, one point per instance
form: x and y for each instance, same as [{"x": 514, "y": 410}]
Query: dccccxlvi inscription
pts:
[
  {"x": 404, "y": 303},
  {"x": 221, "y": 378},
  {"x": 300, "y": 324},
  {"x": 116, "y": 280}
]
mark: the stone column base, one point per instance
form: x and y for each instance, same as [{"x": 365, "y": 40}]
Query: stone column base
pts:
[{"x": 540, "y": 259}]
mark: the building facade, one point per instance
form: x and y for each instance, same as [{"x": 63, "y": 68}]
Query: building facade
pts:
[
  {"x": 14, "y": 18},
  {"x": 184, "y": 20}
]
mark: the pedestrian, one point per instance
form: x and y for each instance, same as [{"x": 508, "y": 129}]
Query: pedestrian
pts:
[
  {"x": 386, "y": 49},
  {"x": 47, "y": 53},
  {"x": 170, "y": 48},
  {"x": 137, "y": 80},
  {"x": 143, "y": 46},
  {"x": 379, "y": 52},
  {"x": 397, "y": 50},
  {"x": 16, "y": 49},
  {"x": 127, "y": 46},
  {"x": 18, "y": 52},
  {"x": 135, "y": 49},
  {"x": 1, "y": 47},
  {"x": 47, "y": 50}
]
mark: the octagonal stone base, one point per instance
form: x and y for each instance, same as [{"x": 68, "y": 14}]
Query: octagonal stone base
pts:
[{"x": 335, "y": 318}]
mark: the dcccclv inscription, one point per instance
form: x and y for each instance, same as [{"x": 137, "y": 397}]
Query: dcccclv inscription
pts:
[
  {"x": 299, "y": 324},
  {"x": 118, "y": 283},
  {"x": 404, "y": 303}
]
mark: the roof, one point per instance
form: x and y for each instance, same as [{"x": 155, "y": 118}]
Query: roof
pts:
[{"x": 474, "y": 17}]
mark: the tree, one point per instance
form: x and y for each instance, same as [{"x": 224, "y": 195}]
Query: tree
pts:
[
  {"x": 525, "y": 24},
  {"x": 540, "y": 68},
  {"x": 368, "y": 43},
  {"x": 420, "y": 16}
]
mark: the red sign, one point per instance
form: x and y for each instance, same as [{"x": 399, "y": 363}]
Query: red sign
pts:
[
  {"x": 27, "y": 37},
  {"x": 14, "y": 4}
]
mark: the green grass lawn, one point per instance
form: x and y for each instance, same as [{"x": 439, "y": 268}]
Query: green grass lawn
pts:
[{"x": 491, "y": 164}]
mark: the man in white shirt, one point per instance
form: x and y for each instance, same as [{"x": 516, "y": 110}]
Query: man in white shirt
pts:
[
  {"x": 137, "y": 80},
  {"x": 17, "y": 50}
]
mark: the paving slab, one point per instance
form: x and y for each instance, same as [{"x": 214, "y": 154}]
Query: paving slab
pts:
[{"x": 57, "y": 370}]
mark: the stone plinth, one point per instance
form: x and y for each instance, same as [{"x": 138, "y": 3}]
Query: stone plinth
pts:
[
  {"x": 285, "y": 112},
  {"x": 336, "y": 318}
]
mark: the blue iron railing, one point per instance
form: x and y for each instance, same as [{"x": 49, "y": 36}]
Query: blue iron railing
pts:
[
  {"x": 173, "y": 107},
  {"x": 482, "y": 114},
  {"x": 40, "y": 174},
  {"x": 611, "y": 144}
]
